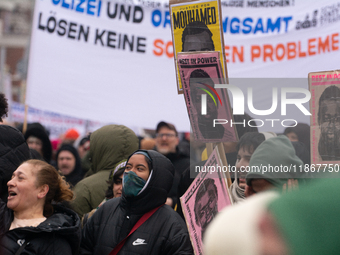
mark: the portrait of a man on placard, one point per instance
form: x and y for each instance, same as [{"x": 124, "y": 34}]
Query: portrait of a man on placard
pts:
[
  {"x": 329, "y": 124},
  {"x": 206, "y": 204},
  {"x": 207, "y": 195},
  {"x": 205, "y": 122},
  {"x": 197, "y": 37}
]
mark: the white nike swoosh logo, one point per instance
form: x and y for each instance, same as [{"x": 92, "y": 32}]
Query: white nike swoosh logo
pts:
[
  {"x": 138, "y": 243},
  {"x": 21, "y": 242}
]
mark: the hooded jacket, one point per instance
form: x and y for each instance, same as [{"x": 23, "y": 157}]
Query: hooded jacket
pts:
[
  {"x": 13, "y": 151},
  {"x": 274, "y": 160},
  {"x": 109, "y": 145},
  {"x": 58, "y": 234},
  {"x": 163, "y": 233},
  {"x": 77, "y": 174}
]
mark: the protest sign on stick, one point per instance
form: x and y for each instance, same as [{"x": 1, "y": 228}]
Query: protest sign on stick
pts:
[
  {"x": 206, "y": 196},
  {"x": 199, "y": 72},
  {"x": 325, "y": 118},
  {"x": 196, "y": 26}
]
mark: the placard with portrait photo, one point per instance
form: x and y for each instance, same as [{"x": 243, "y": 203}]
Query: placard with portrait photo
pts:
[
  {"x": 207, "y": 106},
  {"x": 206, "y": 196},
  {"x": 325, "y": 118},
  {"x": 196, "y": 26}
]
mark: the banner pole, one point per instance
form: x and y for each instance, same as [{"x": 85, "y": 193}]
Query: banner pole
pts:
[
  {"x": 210, "y": 148},
  {"x": 224, "y": 161},
  {"x": 24, "y": 126}
]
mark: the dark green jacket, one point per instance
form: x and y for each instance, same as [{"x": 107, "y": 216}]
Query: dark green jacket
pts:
[{"x": 108, "y": 146}]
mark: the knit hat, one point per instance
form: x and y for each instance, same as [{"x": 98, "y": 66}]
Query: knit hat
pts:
[
  {"x": 120, "y": 165},
  {"x": 275, "y": 161},
  {"x": 71, "y": 134},
  {"x": 235, "y": 229},
  {"x": 308, "y": 219}
]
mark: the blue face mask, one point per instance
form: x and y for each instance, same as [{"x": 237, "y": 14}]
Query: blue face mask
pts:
[{"x": 132, "y": 184}]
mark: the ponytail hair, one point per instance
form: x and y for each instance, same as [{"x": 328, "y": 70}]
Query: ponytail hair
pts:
[{"x": 59, "y": 189}]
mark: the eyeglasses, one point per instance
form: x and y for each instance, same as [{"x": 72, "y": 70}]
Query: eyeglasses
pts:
[{"x": 166, "y": 135}]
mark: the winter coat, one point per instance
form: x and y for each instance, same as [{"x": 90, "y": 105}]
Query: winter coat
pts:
[
  {"x": 13, "y": 151},
  {"x": 181, "y": 161},
  {"x": 109, "y": 145},
  {"x": 163, "y": 233},
  {"x": 59, "y": 234}
]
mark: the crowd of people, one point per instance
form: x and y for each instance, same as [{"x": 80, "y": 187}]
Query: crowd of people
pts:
[{"x": 111, "y": 192}]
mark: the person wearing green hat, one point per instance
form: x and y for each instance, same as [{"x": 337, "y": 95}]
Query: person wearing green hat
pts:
[
  {"x": 305, "y": 221},
  {"x": 273, "y": 163}
]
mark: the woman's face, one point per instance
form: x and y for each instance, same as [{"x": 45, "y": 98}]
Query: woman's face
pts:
[
  {"x": 138, "y": 164},
  {"x": 23, "y": 193},
  {"x": 117, "y": 186},
  {"x": 35, "y": 143}
]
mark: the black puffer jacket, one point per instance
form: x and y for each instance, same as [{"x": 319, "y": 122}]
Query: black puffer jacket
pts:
[
  {"x": 59, "y": 234},
  {"x": 181, "y": 161},
  {"x": 163, "y": 233},
  {"x": 13, "y": 151}
]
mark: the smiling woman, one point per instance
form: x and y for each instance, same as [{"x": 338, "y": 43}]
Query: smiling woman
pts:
[
  {"x": 30, "y": 222},
  {"x": 139, "y": 222}
]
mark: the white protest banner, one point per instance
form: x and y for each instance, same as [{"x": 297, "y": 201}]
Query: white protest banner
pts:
[
  {"x": 112, "y": 60},
  {"x": 55, "y": 123},
  {"x": 97, "y": 60}
]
